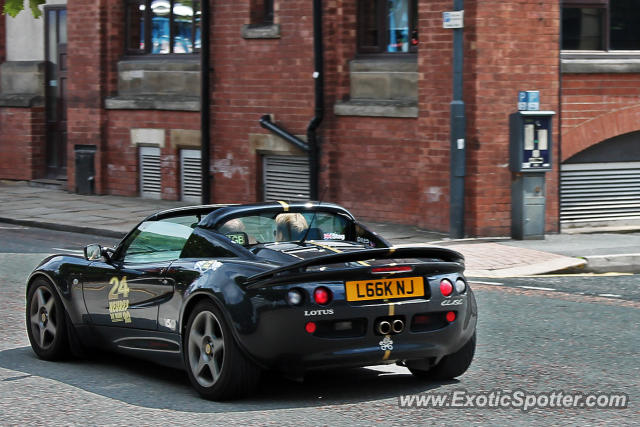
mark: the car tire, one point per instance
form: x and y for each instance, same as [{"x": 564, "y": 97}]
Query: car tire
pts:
[
  {"x": 452, "y": 365},
  {"x": 216, "y": 366},
  {"x": 46, "y": 321}
]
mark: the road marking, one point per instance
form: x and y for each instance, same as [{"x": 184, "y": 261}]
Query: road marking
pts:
[
  {"x": 12, "y": 228},
  {"x": 539, "y": 276},
  {"x": 487, "y": 283},
  {"x": 610, "y": 295},
  {"x": 537, "y": 288}
]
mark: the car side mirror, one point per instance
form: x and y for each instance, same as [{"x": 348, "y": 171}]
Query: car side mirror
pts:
[{"x": 94, "y": 252}]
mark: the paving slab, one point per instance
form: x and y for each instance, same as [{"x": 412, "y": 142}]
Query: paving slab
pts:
[{"x": 114, "y": 216}]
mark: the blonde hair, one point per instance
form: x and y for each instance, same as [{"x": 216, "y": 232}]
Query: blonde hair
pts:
[{"x": 290, "y": 226}]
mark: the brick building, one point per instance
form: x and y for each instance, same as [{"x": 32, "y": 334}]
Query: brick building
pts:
[{"x": 89, "y": 80}]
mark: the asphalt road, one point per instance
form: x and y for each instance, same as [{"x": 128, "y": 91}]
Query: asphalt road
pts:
[{"x": 535, "y": 334}]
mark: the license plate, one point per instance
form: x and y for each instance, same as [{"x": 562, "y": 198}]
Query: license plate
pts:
[{"x": 403, "y": 287}]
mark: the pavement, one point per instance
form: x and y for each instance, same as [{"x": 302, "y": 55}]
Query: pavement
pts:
[{"x": 113, "y": 216}]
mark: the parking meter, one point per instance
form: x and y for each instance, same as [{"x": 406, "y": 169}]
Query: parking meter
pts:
[{"x": 530, "y": 157}]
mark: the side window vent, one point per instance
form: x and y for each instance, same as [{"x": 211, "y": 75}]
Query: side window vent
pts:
[
  {"x": 150, "y": 174},
  {"x": 191, "y": 176},
  {"x": 286, "y": 178}
]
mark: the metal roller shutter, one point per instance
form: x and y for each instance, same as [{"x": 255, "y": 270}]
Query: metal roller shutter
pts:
[
  {"x": 286, "y": 178},
  {"x": 150, "y": 175},
  {"x": 600, "y": 192},
  {"x": 191, "y": 176}
]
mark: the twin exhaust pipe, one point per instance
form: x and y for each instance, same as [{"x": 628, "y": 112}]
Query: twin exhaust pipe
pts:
[{"x": 386, "y": 327}]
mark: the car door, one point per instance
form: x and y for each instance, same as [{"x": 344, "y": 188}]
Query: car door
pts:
[{"x": 127, "y": 290}]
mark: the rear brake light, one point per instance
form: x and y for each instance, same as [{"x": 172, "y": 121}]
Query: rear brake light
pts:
[
  {"x": 446, "y": 288},
  {"x": 450, "y": 316},
  {"x": 310, "y": 327},
  {"x": 402, "y": 269},
  {"x": 322, "y": 295}
]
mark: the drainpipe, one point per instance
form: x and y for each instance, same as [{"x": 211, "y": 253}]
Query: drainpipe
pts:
[
  {"x": 318, "y": 76},
  {"x": 265, "y": 122},
  {"x": 205, "y": 102},
  {"x": 458, "y": 138},
  {"x": 312, "y": 144}
]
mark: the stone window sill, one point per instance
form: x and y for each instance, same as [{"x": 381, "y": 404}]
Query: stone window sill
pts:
[
  {"x": 376, "y": 108},
  {"x": 600, "y": 62},
  {"x": 153, "y": 102},
  {"x": 250, "y": 31},
  {"x": 21, "y": 100}
]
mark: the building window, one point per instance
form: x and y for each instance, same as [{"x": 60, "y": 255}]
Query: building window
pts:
[
  {"x": 174, "y": 28},
  {"x": 261, "y": 12},
  {"x": 387, "y": 26},
  {"x": 601, "y": 25}
]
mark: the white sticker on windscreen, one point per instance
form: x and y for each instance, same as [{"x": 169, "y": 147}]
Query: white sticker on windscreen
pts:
[{"x": 333, "y": 236}]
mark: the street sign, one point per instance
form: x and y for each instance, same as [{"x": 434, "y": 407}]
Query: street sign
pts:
[
  {"x": 453, "y": 19},
  {"x": 528, "y": 100}
]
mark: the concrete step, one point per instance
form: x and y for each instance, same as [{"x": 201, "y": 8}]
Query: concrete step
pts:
[{"x": 52, "y": 184}]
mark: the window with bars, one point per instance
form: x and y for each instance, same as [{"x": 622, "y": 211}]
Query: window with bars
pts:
[
  {"x": 191, "y": 176},
  {"x": 285, "y": 178},
  {"x": 150, "y": 173},
  {"x": 162, "y": 26},
  {"x": 387, "y": 26},
  {"x": 600, "y": 25}
]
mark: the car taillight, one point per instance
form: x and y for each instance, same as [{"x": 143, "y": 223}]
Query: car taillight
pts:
[
  {"x": 450, "y": 316},
  {"x": 460, "y": 286},
  {"x": 446, "y": 287},
  {"x": 310, "y": 327},
  {"x": 322, "y": 295}
]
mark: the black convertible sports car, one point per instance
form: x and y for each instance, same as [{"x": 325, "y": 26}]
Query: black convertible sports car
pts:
[{"x": 225, "y": 291}]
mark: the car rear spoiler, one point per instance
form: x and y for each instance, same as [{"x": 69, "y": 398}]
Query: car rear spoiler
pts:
[{"x": 435, "y": 260}]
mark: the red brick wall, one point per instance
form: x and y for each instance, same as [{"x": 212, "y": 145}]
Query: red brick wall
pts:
[
  {"x": 383, "y": 169},
  {"x": 435, "y": 91},
  {"x": 503, "y": 58},
  {"x": 22, "y": 143},
  {"x": 87, "y": 46},
  {"x": 596, "y": 107},
  {"x": 121, "y": 159},
  {"x": 389, "y": 169},
  {"x": 251, "y": 78}
]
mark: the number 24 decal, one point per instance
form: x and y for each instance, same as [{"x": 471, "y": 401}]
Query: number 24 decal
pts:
[{"x": 118, "y": 287}]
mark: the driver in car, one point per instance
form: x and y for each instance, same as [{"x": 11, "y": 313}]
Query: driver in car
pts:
[{"x": 290, "y": 226}]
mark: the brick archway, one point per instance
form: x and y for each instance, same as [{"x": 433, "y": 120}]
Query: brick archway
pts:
[{"x": 599, "y": 129}]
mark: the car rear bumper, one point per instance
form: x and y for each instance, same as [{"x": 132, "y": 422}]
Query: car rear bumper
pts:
[{"x": 281, "y": 340}]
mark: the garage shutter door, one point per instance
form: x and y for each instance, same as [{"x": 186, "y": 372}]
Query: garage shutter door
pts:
[
  {"x": 191, "y": 176},
  {"x": 286, "y": 178},
  {"x": 150, "y": 175},
  {"x": 597, "y": 192}
]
